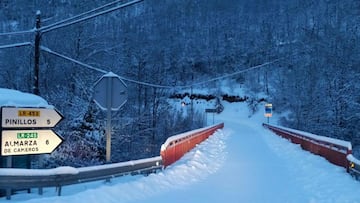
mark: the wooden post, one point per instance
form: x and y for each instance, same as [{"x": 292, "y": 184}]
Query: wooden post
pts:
[{"x": 37, "y": 54}]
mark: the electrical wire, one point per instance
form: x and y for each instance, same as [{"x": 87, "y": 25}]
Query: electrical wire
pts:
[
  {"x": 58, "y": 24},
  {"x": 17, "y": 32},
  {"x": 233, "y": 74},
  {"x": 148, "y": 84},
  {"x": 156, "y": 85},
  {"x": 90, "y": 16},
  {"x": 74, "y": 19},
  {"x": 205, "y": 81},
  {"x": 72, "y": 60},
  {"x": 15, "y": 45},
  {"x": 79, "y": 15},
  {"x": 98, "y": 69}
]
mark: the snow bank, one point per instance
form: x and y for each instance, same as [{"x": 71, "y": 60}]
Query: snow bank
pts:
[
  {"x": 64, "y": 170},
  {"x": 319, "y": 180},
  {"x": 335, "y": 141},
  {"x": 206, "y": 159},
  {"x": 117, "y": 165},
  {"x": 16, "y": 98}
]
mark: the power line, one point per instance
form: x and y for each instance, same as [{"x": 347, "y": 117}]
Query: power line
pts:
[
  {"x": 91, "y": 16},
  {"x": 79, "y": 15},
  {"x": 98, "y": 69},
  {"x": 15, "y": 45},
  {"x": 74, "y": 20},
  {"x": 233, "y": 74},
  {"x": 203, "y": 82},
  {"x": 72, "y": 60},
  {"x": 60, "y": 22},
  {"x": 156, "y": 85},
  {"x": 17, "y": 32},
  {"x": 147, "y": 84}
]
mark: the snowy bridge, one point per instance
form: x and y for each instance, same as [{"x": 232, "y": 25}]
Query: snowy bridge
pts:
[{"x": 244, "y": 162}]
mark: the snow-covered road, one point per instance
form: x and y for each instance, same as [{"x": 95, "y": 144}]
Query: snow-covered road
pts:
[
  {"x": 257, "y": 172},
  {"x": 242, "y": 163},
  {"x": 251, "y": 173}
]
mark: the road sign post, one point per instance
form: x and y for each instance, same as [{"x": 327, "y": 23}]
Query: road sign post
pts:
[
  {"x": 213, "y": 111},
  {"x": 25, "y": 131},
  {"x": 268, "y": 111},
  {"x": 110, "y": 94}
]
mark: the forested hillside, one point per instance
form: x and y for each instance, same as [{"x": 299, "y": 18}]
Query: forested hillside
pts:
[{"x": 303, "y": 54}]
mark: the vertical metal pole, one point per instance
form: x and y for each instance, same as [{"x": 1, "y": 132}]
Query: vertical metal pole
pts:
[
  {"x": 213, "y": 117},
  {"x": 207, "y": 123},
  {"x": 8, "y": 165},
  {"x": 59, "y": 190},
  {"x": 37, "y": 54},
  {"x": 9, "y": 162},
  {"x": 8, "y": 193},
  {"x": 192, "y": 108},
  {"x": 108, "y": 118},
  {"x": 191, "y": 100},
  {"x": 40, "y": 191}
]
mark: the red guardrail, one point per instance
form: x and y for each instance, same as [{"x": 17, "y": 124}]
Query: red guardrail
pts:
[
  {"x": 176, "y": 146},
  {"x": 334, "y": 150}
]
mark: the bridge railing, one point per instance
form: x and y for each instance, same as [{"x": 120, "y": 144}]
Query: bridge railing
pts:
[
  {"x": 354, "y": 166},
  {"x": 334, "y": 150},
  {"x": 176, "y": 146},
  {"x": 18, "y": 179}
]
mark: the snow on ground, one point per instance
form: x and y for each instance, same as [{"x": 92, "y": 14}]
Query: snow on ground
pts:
[
  {"x": 16, "y": 98},
  {"x": 241, "y": 163}
]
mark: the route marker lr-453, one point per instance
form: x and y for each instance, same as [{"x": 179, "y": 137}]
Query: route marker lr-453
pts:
[{"x": 29, "y": 117}]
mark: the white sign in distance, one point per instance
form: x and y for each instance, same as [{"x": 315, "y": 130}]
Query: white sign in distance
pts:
[
  {"x": 29, "y": 117},
  {"x": 25, "y": 142}
]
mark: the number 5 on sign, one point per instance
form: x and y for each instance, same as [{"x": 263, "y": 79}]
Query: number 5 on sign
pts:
[{"x": 39, "y": 117}]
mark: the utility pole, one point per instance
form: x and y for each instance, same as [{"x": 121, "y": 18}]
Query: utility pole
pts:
[
  {"x": 37, "y": 54},
  {"x": 35, "y": 87}
]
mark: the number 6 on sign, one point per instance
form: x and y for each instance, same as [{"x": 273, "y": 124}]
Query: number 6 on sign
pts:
[{"x": 41, "y": 141}]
